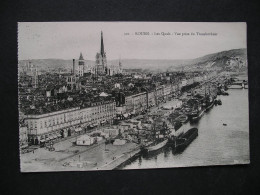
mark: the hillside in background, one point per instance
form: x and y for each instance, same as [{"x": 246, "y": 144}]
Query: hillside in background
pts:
[
  {"x": 227, "y": 60},
  {"x": 235, "y": 59}
]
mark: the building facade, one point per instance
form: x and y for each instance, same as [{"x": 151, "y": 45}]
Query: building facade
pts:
[
  {"x": 167, "y": 91},
  {"x": 51, "y": 126},
  {"x": 151, "y": 99}
]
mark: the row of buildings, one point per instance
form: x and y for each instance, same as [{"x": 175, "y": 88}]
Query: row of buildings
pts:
[
  {"x": 42, "y": 127},
  {"x": 63, "y": 123},
  {"x": 59, "y": 124}
]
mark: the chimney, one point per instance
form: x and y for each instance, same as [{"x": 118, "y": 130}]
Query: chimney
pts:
[{"x": 73, "y": 69}]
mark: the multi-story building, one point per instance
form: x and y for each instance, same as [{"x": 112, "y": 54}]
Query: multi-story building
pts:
[
  {"x": 151, "y": 99},
  {"x": 129, "y": 106},
  {"x": 63, "y": 123},
  {"x": 136, "y": 103},
  {"x": 102, "y": 112},
  {"x": 159, "y": 93},
  {"x": 139, "y": 102},
  {"x": 71, "y": 81},
  {"x": 167, "y": 92}
]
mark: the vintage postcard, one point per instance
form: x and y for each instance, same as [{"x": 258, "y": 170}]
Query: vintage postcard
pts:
[{"x": 132, "y": 95}]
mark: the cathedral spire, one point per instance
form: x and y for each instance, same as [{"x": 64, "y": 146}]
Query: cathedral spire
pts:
[
  {"x": 102, "y": 50},
  {"x": 81, "y": 56}
]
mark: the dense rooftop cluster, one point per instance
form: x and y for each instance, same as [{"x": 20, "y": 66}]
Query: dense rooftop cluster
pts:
[{"x": 53, "y": 93}]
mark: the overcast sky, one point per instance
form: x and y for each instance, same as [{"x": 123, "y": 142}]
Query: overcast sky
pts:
[{"x": 65, "y": 40}]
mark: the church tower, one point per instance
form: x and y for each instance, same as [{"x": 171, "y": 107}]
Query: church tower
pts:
[
  {"x": 101, "y": 59},
  {"x": 81, "y": 65}
]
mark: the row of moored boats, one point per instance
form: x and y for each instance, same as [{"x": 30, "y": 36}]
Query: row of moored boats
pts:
[{"x": 174, "y": 133}]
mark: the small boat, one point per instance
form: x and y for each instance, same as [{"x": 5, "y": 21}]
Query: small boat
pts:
[
  {"x": 219, "y": 102},
  {"x": 235, "y": 86},
  {"x": 183, "y": 141},
  {"x": 183, "y": 118},
  {"x": 224, "y": 124},
  {"x": 209, "y": 103},
  {"x": 196, "y": 114},
  {"x": 156, "y": 145}
]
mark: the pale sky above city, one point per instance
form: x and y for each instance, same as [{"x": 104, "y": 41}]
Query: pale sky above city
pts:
[{"x": 65, "y": 40}]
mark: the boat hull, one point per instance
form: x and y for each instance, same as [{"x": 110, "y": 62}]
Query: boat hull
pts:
[
  {"x": 235, "y": 87},
  {"x": 185, "y": 140},
  {"x": 157, "y": 146},
  {"x": 183, "y": 119},
  {"x": 210, "y": 106},
  {"x": 197, "y": 117}
]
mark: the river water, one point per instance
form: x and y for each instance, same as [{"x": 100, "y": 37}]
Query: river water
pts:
[{"x": 216, "y": 144}]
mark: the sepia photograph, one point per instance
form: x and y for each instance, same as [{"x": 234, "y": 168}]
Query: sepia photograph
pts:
[{"x": 132, "y": 95}]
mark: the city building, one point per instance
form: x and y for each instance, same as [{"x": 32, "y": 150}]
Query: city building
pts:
[
  {"x": 167, "y": 91},
  {"x": 63, "y": 123},
  {"x": 71, "y": 81}
]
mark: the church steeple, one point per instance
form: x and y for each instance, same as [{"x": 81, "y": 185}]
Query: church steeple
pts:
[
  {"x": 81, "y": 65},
  {"x": 101, "y": 59},
  {"x": 81, "y": 56},
  {"x": 102, "y": 50}
]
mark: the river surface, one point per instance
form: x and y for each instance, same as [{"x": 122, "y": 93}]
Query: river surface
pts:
[{"x": 216, "y": 144}]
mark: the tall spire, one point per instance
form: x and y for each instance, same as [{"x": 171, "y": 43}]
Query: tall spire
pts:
[
  {"x": 102, "y": 51},
  {"x": 81, "y": 56}
]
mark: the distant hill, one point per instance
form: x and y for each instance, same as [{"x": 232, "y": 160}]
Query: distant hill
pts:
[
  {"x": 148, "y": 63},
  {"x": 228, "y": 60}
]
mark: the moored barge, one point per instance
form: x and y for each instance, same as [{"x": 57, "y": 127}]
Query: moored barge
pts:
[{"x": 184, "y": 140}]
